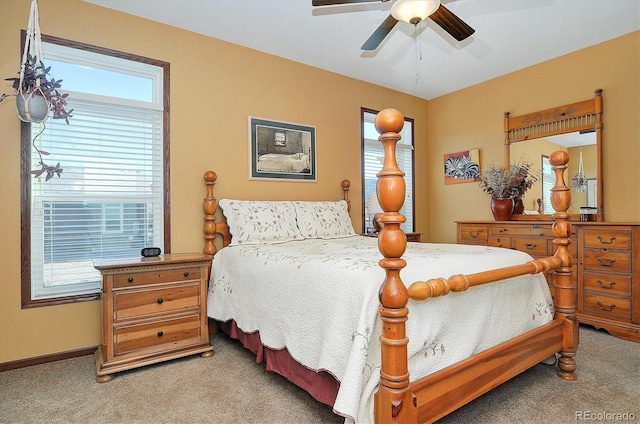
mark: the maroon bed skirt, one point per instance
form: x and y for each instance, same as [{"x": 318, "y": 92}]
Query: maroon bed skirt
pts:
[{"x": 319, "y": 384}]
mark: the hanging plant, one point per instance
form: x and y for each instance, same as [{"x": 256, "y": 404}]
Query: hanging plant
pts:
[
  {"x": 579, "y": 181},
  {"x": 37, "y": 93}
]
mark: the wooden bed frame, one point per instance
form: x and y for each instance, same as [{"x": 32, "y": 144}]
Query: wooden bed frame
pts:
[{"x": 400, "y": 400}]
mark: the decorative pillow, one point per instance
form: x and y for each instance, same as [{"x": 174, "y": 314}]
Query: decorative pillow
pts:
[
  {"x": 260, "y": 222},
  {"x": 324, "y": 220}
]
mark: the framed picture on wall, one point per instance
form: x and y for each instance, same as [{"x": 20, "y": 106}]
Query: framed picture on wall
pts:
[
  {"x": 461, "y": 167},
  {"x": 281, "y": 150}
]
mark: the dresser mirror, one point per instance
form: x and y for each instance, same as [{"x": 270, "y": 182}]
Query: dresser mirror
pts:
[{"x": 575, "y": 128}]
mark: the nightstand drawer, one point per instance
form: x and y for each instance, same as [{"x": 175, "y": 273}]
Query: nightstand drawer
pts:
[
  {"x": 154, "y": 277},
  {"x": 614, "y": 307},
  {"x": 604, "y": 260},
  {"x": 174, "y": 332},
  {"x": 607, "y": 238},
  {"x": 135, "y": 303},
  {"x": 608, "y": 283}
]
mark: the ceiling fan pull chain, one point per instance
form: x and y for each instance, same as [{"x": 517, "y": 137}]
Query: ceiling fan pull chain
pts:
[{"x": 417, "y": 42}]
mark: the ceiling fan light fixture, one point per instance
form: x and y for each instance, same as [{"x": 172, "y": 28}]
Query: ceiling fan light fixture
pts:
[{"x": 414, "y": 11}]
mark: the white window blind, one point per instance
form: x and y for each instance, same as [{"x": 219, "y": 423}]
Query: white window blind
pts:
[
  {"x": 108, "y": 202},
  {"x": 373, "y": 153}
]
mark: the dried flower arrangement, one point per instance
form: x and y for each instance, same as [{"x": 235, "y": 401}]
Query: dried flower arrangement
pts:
[{"x": 512, "y": 183}]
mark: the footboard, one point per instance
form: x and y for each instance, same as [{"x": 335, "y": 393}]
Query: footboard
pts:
[{"x": 398, "y": 399}]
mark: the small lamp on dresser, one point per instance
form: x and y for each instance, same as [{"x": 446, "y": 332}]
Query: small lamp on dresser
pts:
[{"x": 374, "y": 210}]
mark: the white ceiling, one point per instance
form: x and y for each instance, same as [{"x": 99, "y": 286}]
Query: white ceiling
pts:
[{"x": 510, "y": 35}]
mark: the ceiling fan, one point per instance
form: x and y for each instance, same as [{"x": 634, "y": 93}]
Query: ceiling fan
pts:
[{"x": 413, "y": 12}]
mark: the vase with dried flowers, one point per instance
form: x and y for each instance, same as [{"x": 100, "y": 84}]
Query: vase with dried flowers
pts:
[{"x": 506, "y": 186}]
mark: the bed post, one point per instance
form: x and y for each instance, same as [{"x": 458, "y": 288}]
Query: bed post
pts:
[
  {"x": 210, "y": 206},
  {"x": 565, "y": 287},
  {"x": 393, "y": 401},
  {"x": 346, "y": 185}
]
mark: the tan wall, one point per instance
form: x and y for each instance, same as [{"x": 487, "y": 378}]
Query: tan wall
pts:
[
  {"x": 215, "y": 86},
  {"x": 473, "y": 118}
]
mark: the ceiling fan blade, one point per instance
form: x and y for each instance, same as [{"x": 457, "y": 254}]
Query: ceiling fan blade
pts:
[
  {"x": 380, "y": 33},
  {"x": 332, "y": 2},
  {"x": 451, "y": 23}
]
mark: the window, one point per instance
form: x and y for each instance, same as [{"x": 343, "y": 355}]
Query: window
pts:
[
  {"x": 111, "y": 199},
  {"x": 372, "y": 160}
]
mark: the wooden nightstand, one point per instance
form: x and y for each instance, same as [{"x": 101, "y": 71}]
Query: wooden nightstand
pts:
[
  {"x": 153, "y": 310},
  {"x": 415, "y": 237}
]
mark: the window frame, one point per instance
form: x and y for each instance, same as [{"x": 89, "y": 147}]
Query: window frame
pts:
[
  {"x": 363, "y": 111},
  {"x": 26, "y": 177}
]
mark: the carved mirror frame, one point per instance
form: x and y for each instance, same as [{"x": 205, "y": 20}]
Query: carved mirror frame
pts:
[{"x": 581, "y": 116}]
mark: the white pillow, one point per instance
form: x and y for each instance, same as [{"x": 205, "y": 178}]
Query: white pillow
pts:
[
  {"x": 260, "y": 222},
  {"x": 324, "y": 220}
]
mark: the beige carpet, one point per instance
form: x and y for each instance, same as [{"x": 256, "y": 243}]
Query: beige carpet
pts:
[{"x": 231, "y": 388}]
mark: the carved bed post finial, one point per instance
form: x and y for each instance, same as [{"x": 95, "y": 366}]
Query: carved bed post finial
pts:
[
  {"x": 346, "y": 185},
  {"x": 566, "y": 290},
  {"x": 393, "y": 399},
  {"x": 210, "y": 206}
]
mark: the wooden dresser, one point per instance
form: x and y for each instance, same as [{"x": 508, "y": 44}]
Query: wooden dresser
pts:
[
  {"x": 153, "y": 310},
  {"x": 607, "y": 265}
]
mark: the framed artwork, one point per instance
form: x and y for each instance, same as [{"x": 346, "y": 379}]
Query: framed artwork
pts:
[
  {"x": 281, "y": 150},
  {"x": 461, "y": 167}
]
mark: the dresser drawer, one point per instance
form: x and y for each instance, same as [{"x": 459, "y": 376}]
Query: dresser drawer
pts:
[
  {"x": 533, "y": 246},
  {"x": 500, "y": 242},
  {"x": 153, "y": 277},
  {"x": 159, "y": 335},
  {"x": 135, "y": 303},
  {"x": 614, "y": 307},
  {"x": 522, "y": 230},
  {"x": 607, "y": 238},
  {"x": 607, "y": 283},
  {"x": 473, "y": 234},
  {"x": 604, "y": 260}
]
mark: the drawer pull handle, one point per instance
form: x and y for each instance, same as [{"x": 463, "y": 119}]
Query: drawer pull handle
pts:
[
  {"x": 611, "y": 239},
  {"x": 610, "y": 286},
  {"x": 474, "y": 235},
  {"x": 502, "y": 230},
  {"x": 160, "y": 334},
  {"x": 530, "y": 246},
  {"x": 604, "y": 308},
  {"x": 130, "y": 279},
  {"x": 186, "y": 274},
  {"x": 160, "y": 301},
  {"x": 606, "y": 262}
]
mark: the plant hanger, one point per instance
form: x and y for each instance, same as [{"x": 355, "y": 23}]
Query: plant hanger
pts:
[{"x": 32, "y": 54}]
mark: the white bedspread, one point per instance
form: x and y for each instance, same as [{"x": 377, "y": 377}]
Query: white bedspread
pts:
[{"x": 319, "y": 299}]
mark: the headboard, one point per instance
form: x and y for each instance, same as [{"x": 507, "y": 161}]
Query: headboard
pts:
[{"x": 214, "y": 225}]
